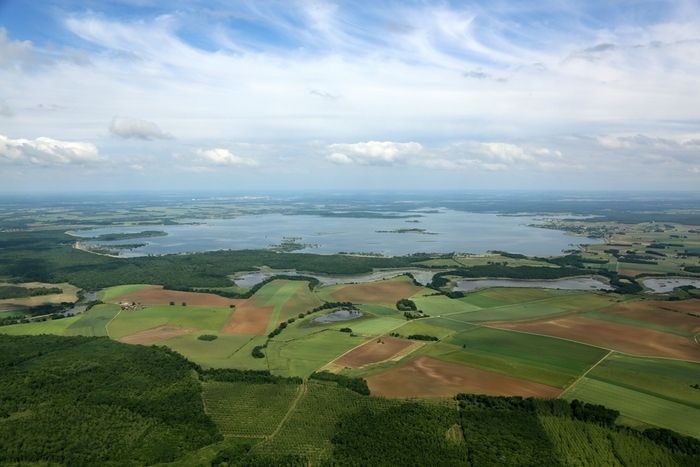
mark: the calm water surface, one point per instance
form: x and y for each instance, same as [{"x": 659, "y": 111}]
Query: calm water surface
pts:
[{"x": 450, "y": 231}]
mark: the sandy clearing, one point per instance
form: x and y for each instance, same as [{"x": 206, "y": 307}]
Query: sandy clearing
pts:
[
  {"x": 375, "y": 351},
  {"x": 156, "y": 295},
  {"x": 429, "y": 377},
  {"x": 154, "y": 335},
  {"x": 382, "y": 292},
  {"x": 624, "y": 338}
]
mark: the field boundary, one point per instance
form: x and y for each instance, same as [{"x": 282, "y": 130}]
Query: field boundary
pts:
[{"x": 586, "y": 373}]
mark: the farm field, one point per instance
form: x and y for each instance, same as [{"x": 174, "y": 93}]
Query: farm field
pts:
[
  {"x": 638, "y": 405},
  {"x": 545, "y": 360},
  {"x": 625, "y": 338},
  {"x": 157, "y": 295},
  {"x": 69, "y": 294},
  {"x": 429, "y": 377},
  {"x": 383, "y": 292}
]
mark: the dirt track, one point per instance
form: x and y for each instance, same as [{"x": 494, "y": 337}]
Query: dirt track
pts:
[{"x": 429, "y": 377}]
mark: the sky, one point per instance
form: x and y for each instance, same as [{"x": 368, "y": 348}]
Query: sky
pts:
[{"x": 353, "y": 95}]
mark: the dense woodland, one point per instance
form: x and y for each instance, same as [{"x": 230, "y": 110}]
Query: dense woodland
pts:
[{"x": 87, "y": 401}]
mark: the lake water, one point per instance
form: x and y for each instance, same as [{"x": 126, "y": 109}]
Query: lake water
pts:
[
  {"x": 338, "y": 315},
  {"x": 667, "y": 284},
  {"x": 448, "y": 230},
  {"x": 570, "y": 283},
  {"x": 249, "y": 279}
]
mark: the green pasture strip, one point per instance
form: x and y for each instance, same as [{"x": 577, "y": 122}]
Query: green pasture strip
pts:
[
  {"x": 499, "y": 296},
  {"x": 637, "y": 405},
  {"x": 51, "y": 326},
  {"x": 539, "y": 308},
  {"x": 206, "y": 319},
  {"x": 436, "y": 305},
  {"x": 667, "y": 379},
  {"x": 303, "y": 356},
  {"x": 545, "y": 360},
  {"x": 209, "y": 354},
  {"x": 110, "y": 294},
  {"x": 94, "y": 321}
]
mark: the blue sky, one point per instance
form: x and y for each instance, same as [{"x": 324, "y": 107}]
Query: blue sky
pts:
[{"x": 262, "y": 95}]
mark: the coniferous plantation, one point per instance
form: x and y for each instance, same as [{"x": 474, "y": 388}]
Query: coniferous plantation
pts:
[{"x": 87, "y": 401}]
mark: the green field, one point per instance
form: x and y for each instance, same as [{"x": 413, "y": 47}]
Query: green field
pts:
[
  {"x": 545, "y": 360},
  {"x": 110, "y": 294},
  {"x": 436, "y": 305},
  {"x": 500, "y": 296},
  {"x": 667, "y": 379},
  {"x": 304, "y": 355},
  {"x": 563, "y": 303},
  {"x": 638, "y": 405},
  {"x": 218, "y": 353},
  {"x": 94, "y": 321},
  {"x": 245, "y": 409},
  {"x": 206, "y": 319},
  {"x": 51, "y": 326}
]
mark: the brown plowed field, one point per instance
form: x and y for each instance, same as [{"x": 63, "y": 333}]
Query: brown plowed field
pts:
[
  {"x": 249, "y": 318},
  {"x": 154, "y": 335},
  {"x": 374, "y": 351},
  {"x": 386, "y": 292},
  {"x": 671, "y": 314},
  {"x": 156, "y": 295},
  {"x": 428, "y": 377},
  {"x": 629, "y": 339}
]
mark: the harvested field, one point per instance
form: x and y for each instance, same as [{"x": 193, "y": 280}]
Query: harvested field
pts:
[
  {"x": 249, "y": 318},
  {"x": 383, "y": 292},
  {"x": 671, "y": 314},
  {"x": 156, "y": 295},
  {"x": 624, "y": 338},
  {"x": 429, "y": 377},
  {"x": 375, "y": 351},
  {"x": 154, "y": 335}
]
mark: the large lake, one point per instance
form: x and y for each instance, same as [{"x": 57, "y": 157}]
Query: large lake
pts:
[{"x": 448, "y": 230}]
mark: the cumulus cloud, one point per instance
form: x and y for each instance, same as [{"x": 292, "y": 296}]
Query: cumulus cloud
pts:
[
  {"x": 494, "y": 156},
  {"x": 133, "y": 128},
  {"x": 373, "y": 152},
  {"x": 47, "y": 152},
  {"x": 223, "y": 157}
]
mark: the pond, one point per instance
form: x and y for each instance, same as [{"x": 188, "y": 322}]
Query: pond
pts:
[
  {"x": 569, "y": 283},
  {"x": 438, "y": 231},
  {"x": 667, "y": 284},
  {"x": 345, "y": 314}
]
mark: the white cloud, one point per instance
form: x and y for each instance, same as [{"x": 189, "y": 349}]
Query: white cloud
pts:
[
  {"x": 137, "y": 129},
  {"x": 14, "y": 54},
  {"x": 5, "y": 110},
  {"x": 224, "y": 157},
  {"x": 47, "y": 152},
  {"x": 374, "y": 152}
]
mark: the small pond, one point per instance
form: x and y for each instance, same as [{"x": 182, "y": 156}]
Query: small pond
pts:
[{"x": 338, "y": 315}]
